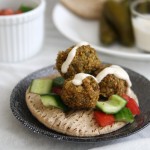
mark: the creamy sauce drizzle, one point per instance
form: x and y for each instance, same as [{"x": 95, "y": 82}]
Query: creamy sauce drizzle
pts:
[
  {"x": 117, "y": 71},
  {"x": 114, "y": 69},
  {"x": 80, "y": 77},
  {"x": 71, "y": 55}
]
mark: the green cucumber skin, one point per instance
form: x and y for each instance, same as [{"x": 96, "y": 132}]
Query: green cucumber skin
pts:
[
  {"x": 53, "y": 100},
  {"x": 41, "y": 86},
  {"x": 113, "y": 105},
  {"x": 124, "y": 115}
]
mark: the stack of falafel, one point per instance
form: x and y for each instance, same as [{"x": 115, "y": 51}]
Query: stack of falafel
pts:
[{"x": 86, "y": 95}]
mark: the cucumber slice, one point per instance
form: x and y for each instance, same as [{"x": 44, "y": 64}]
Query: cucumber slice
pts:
[
  {"x": 124, "y": 115},
  {"x": 41, "y": 86},
  {"x": 58, "y": 82},
  {"x": 53, "y": 100},
  {"x": 114, "y": 104}
]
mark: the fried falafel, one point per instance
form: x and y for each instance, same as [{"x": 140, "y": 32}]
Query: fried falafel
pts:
[
  {"x": 82, "y": 96},
  {"x": 111, "y": 84},
  {"x": 85, "y": 60}
]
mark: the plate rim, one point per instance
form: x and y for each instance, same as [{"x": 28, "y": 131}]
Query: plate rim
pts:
[
  {"x": 56, "y": 135},
  {"x": 100, "y": 49}
]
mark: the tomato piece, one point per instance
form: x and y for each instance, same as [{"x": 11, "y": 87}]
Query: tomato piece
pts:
[
  {"x": 1, "y": 11},
  {"x": 56, "y": 90},
  {"x": 126, "y": 97},
  {"x": 18, "y": 12},
  {"x": 104, "y": 119},
  {"x": 132, "y": 105},
  {"x": 7, "y": 12}
]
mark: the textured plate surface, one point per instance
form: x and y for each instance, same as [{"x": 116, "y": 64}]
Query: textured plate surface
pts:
[
  {"x": 141, "y": 87},
  {"x": 78, "y": 29}
]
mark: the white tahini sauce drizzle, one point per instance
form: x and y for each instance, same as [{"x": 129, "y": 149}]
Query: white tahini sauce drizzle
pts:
[
  {"x": 70, "y": 57},
  {"x": 114, "y": 69},
  {"x": 78, "y": 78},
  {"x": 117, "y": 71}
]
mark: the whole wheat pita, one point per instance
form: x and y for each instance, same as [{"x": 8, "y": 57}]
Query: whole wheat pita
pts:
[{"x": 75, "y": 123}]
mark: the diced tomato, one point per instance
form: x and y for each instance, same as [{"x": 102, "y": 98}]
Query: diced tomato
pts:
[
  {"x": 7, "y": 12},
  {"x": 104, "y": 119},
  {"x": 132, "y": 105},
  {"x": 10, "y": 12},
  {"x": 56, "y": 90},
  {"x": 126, "y": 97},
  {"x": 1, "y": 11},
  {"x": 18, "y": 12}
]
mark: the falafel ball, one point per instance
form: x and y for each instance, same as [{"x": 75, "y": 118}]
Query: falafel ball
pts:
[
  {"x": 111, "y": 84},
  {"x": 85, "y": 61},
  {"x": 82, "y": 96}
]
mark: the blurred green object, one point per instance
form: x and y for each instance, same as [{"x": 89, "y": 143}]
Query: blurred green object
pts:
[
  {"x": 118, "y": 14},
  {"x": 24, "y": 8},
  {"x": 107, "y": 33}
]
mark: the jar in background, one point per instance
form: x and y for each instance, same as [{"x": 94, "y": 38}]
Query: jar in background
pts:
[{"x": 140, "y": 10}]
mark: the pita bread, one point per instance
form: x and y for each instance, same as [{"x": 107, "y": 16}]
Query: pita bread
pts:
[
  {"x": 88, "y": 9},
  {"x": 75, "y": 123}
]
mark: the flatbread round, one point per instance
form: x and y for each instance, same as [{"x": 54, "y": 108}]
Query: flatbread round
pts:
[
  {"x": 75, "y": 123},
  {"x": 89, "y": 9}
]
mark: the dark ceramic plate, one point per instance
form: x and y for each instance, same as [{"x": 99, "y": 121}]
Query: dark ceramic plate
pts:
[{"x": 141, "y": 87}]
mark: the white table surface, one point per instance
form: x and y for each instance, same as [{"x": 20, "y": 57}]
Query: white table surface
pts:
[{"x": 13, "y": 136}]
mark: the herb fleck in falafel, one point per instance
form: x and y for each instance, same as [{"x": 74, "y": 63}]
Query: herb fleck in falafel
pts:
[
  {"x": 82, "y": 96},
  {"x": 85, "y": 60}
]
